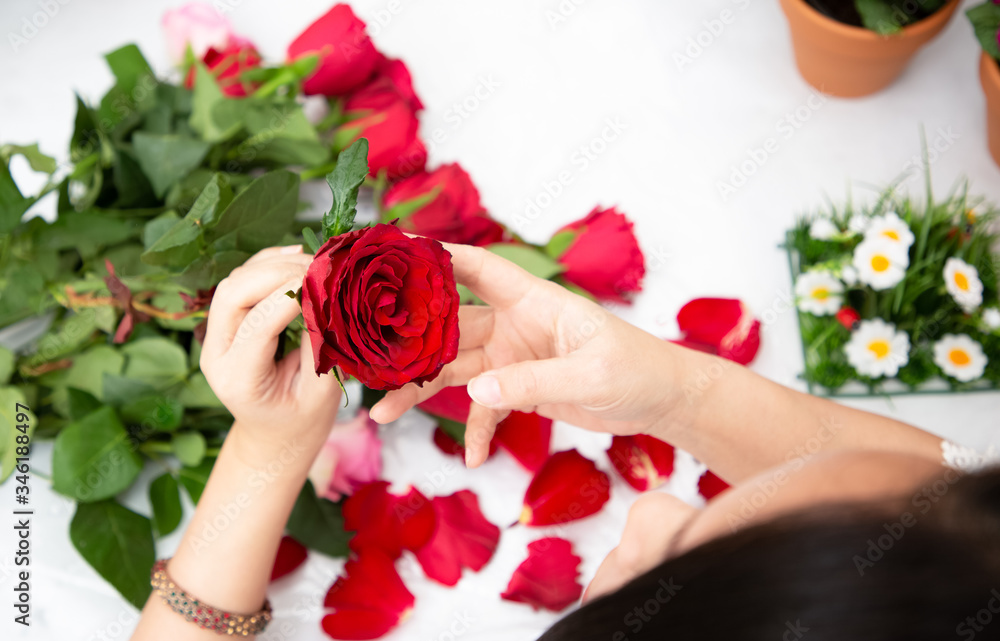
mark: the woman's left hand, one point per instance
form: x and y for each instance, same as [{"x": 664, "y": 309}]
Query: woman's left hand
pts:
[{"x": 278, "y": 405}]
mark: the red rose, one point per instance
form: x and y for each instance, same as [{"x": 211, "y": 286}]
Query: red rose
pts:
[
  {"x": 602, "y": 255},
  {"x": 384, "y": 117},
  {"x": 454, "y": 213},
  {"x": 382, "y": 306},
  {"x": 227, "y": 66},
  {"x": 393, "y": 74},
  {"x": 347, "y": 56}
]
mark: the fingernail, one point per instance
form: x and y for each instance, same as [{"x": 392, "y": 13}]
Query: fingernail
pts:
[
  {"x": 291, "y": 249},
  {"x": 468, "y": 458},
  {"x": 485, "y": 390}
]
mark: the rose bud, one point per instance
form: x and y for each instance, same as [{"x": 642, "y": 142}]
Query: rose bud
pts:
[
  {"x": 849, "y": 318},
  {"x": 724, "y": 326},
  {"x": 227, "y": 66},
  {"x": 548, "y": 578},
  {"x": 351, "y": 457},
  {"x": 462, "y": 538},
  {"x": 387, "y": 522},
  {"x": 368, "y": 600},
  {"x": 197, "y": 25},
  {"x": 383, "y": 117},
  {"x": 643, "y": 461},
  {"x": 710, "y": 485},
  {"x": 444, "y": 205},
  {"x": 601, "y": 255},
  {"x": 381, "y": 306},
  {"x": 567, "y": 487},
  {"x": 347, "y": 56},
  {"x": 394, "y": 75},
  {"x": 291, "y": 554}
]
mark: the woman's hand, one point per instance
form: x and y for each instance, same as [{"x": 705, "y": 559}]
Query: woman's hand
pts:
[
  {"x": 275, "y": 403},
  {"x": 537, "y": 347}
]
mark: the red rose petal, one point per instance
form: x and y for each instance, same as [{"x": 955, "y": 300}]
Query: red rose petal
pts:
[
  {"x": 463, "y": 538},
  {"x": 548, "y": 577},
  {"x": 291, "y": 554},
  {"x": 566, "y": 488},
  {"x": 387, "y": 522},
  {"x": 725, "y": 324},
  {"x": 452, "y": 403},
  {"x": 604, "y": 257},
  {"x": 643, "y": 461},
  {"x": 526, "y": 436},
  {"x": 369, "y": 599},
  {"x": 710, "y": 485}
]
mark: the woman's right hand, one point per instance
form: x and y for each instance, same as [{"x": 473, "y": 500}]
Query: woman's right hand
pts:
[{"x": 535, "y": 346}]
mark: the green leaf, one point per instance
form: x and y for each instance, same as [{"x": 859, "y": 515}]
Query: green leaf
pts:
[
  {"x": 985, "y": 20},
  {"x": 36, "y": 159},
  {"x": 157, "y": 361},
  {"x": 311, "y": 241},
  {"x": 454, "y": 429},
  {"x": 81, "y": 403},
  {"x": 6, "y": 365},
  {"x": 345, "y": 182},
  {"x": 878, "y": 15},
  {"x": 167, "y": 159},
  {"x": 74, "y": 331},
  {"x": 12, "y": 203},
  {"x": 88, "y": 369},
  {"x": 9, "y": 398},
  {"x": 196, "y": 393},
  {"x": 179, "y": 246},
  {"x": 88, "y": 232},
  {"x": 529, "y": 259},
  {"x": 195, "y": 478},
  {"x": 189, "y": 447},
  {"x": 93, "y": 458},
  {"x": 407, "y": 208},
  {"x": 559, "y": 243},
  {"x": 207, "y": 95},
  {"x": 129, "y": 67},
  {"x": 153, "y": 413},
  {"x": 318, "y": 524},
  {"x": 165, "y": 497},
  {"x": 118, "y": 543},
  {"x": 119, "y": 390},
  {"x": 259, "y": 215}
]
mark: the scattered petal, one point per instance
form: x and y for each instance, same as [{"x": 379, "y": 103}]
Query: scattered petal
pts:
[
  {"x": 724, "y": 324},
  {"x": 710, "y": 485},
  {"x": 291, "y": 554},
  {"x": 388, "y": 522},
  {"x": 527, "y": 437},
  {"x": 462, "y": 538},
  {"x": 368, "y": 600},
  {"x": 548, "y": 578},
  {"x": 643, "y": 461},
  {"x": 566, "y": 488}
]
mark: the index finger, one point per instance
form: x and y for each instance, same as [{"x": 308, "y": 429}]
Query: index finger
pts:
[{"x": 499, "y": 282}]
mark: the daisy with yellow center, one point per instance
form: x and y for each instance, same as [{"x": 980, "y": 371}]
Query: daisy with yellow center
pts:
[
  {"x": 877, "y": 348},
  {"x": 881, "y": 263},
  {"x": 962, "y": 281},
  {"x": 818, "y": 292},
  {"x": 960, "y": 357},
  {"x": 890, "y": 227}
]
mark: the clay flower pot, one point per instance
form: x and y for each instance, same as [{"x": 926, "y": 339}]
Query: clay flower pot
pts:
[
  {"x": 989, "y": 75},
  {"x": 847, "y": 61}
]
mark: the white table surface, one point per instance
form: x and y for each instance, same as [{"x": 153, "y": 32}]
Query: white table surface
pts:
[{"x": 550, "y": 75}]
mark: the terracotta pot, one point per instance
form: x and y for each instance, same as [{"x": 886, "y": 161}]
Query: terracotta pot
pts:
[
  {"x": 989, "y": 74},
  {"x": 846, "y": 61}
]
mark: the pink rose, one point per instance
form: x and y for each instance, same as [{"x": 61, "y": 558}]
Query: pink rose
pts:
[
  {"x": 199, "y": 25},
  {"x": 351, "y": 457}
]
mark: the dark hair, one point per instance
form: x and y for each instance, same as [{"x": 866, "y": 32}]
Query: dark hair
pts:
[{"x": 923, "y": 567}]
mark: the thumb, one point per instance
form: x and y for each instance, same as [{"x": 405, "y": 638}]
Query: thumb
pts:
[{"x": 525, "y": 385}]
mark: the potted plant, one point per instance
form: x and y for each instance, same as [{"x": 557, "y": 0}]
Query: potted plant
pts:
[
  {"x": 898, "y": 297},
  {"x": 986, "y": 21},
  {"x": 852, "y": 48}
]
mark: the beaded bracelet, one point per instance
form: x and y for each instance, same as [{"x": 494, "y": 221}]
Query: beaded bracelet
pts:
[{"x": 203, "y": 615}]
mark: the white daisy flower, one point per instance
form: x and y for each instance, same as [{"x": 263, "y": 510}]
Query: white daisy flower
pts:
[
  {"x": 849, "y": 275},
  {"x": 877, "y": 348},
  {"x": 823, "y": 229},
  {"x": 991, "y": 317},
  {"x": 962, "y": 281},
  {"x": 858, "y": 223},
  {"x": 890, "y": 226},
  {"x": 819, "y": 293},
  {"x": 960, "y": 357},
  {"x": 881, "y": 263}
]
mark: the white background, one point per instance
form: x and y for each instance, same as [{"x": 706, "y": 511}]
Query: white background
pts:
[{"x": 559, "y": 73}]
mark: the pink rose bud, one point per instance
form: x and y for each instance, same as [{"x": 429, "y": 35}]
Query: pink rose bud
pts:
[
  {"x": 351, "y": 457},
  {"x": 199, "y": 25}
]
